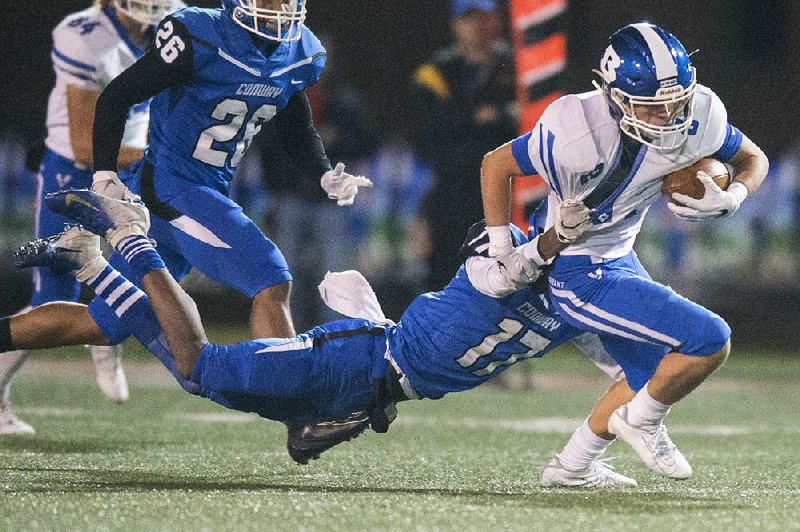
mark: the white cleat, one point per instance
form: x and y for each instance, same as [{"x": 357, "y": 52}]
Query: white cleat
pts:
[
  {"x": 109, "y": 373},
  {"x": 11, "y": 425},
  {"x": 113, "y": 219},
  {"x": 599, "y": 474},
  {"x": 652, "y": 444}
]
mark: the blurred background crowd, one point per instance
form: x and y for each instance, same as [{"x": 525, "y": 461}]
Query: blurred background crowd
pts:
[{"x": 414, "y": 94}]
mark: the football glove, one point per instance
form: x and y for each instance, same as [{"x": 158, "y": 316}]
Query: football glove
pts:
[
  {"x": 572, "y": 220},
  {"x": 342, "y": 186},
  {"x": 714, "y": 203},
  {"x": 514, "y": 267},
  {"x": 107, "y": 183},
  {"x": 517, "y": 269}
]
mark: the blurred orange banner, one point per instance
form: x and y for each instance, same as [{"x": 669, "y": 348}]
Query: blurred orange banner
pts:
[{"x": 540, "y": 50}]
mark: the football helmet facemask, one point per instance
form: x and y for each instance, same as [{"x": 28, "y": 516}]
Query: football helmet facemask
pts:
[
  {"x": 283, "y": 24},
  {"x": 145, "y": 12},
  {"x": 649, "y": 83}
]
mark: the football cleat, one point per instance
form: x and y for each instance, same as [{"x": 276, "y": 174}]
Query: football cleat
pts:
[
  {"x": 307, "y": 442},
  {"x": 113, "y": 219},
  {"x": 653, "y": 445},
  {"x": 73, "y": 251},
  {"x": 10, "y": 424},
  {"x": 109, "y": 373},
  {"x": 598, "y": 474}
]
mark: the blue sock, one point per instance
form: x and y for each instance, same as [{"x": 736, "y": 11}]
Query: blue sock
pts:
[{"x": 141, "y": 255}]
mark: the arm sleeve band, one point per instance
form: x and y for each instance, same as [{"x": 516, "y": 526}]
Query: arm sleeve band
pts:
[
  {"x": 164, "y": 65},
  {"x": 299, "y": 138}
]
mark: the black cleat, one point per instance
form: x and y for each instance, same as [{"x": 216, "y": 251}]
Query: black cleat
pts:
[{"x": 308, "y": 442}]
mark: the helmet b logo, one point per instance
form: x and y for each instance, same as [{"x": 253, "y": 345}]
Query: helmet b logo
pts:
[{"x": 609, "y": 65}]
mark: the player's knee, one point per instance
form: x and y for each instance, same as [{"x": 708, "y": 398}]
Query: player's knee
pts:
[
  {"x": 717, "y": 336},
  {"x": 719, "y": 358},
  {"x": 710, "y": 337}
]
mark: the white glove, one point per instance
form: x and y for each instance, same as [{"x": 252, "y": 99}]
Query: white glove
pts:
[
  {"x": 106, "y": 183},
  {"x": 572, "y": 220},
  {"x": 517, "y": 269},
  {"x": 714, "y": 203},
  {"x": 342, "y": 186},
  {"x": 349, "y": 293}
]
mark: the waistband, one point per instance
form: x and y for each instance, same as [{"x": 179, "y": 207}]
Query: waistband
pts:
[
  {"x": 401, "y": 388},
  {"x": 585, "y": 260}
]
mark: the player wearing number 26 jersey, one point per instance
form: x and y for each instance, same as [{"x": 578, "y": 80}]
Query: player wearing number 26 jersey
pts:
[{"x": 217, "y": 75}]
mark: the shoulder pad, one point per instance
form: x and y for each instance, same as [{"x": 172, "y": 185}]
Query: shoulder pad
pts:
[{"x": 195, "y": 16}]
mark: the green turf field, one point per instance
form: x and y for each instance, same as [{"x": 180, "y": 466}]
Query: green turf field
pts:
[{"x": 170, "y": 461}]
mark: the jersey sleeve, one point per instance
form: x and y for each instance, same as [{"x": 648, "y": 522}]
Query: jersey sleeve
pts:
[
  {"x": 173, "y": 50},
  {"x": 716, "y": 130},
  {"x": 724, "y": 139},
  {"x": 538, "y": 152},
  {"x": 73, "y": 58}
]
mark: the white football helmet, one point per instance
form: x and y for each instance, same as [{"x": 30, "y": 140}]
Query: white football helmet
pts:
[
  {"x": 283, "y": 24},
  {"x": 146, "y": 12}
]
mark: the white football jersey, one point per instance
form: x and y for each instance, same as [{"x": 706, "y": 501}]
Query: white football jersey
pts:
[
  {"x": 577, "y": 143},
  {"x": 90, "y": 48}
]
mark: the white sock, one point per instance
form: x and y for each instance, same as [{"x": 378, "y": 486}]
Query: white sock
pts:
[
  {"x": 583, "y": 448},
  {"x": 644, "y": 410},
  {"x": 10, "y": 363}
]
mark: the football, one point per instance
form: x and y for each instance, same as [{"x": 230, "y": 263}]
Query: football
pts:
[{"x": 685, "y": 181}]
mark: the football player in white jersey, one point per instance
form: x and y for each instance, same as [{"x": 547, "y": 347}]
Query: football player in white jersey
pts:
[
  {"x": 90, "y": 48},
  {"x": 611, "y": 149}
]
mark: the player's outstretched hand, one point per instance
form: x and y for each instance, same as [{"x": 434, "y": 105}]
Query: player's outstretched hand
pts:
[
  {"x": 572, "y": 220},
  {"x": 714, "y": 203},
  {"x": 107, "y": 183},
  {"x": 517, "y": 270},
  {"x": 342, "y": 186}
]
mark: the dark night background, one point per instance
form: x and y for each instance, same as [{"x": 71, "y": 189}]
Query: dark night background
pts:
[{"x": 748, "y": 54}]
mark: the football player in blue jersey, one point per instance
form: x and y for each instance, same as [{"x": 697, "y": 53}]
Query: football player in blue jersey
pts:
[
  {"x": 611, "y": 149},
  {"x": 352, "y": 370},
  {"x": 90, "y": 48},
  {"x": 216, "y": 76}
]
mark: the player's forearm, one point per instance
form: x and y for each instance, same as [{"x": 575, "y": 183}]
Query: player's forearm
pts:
[
  {"x": 178, "y": 317},
  {"x": 144, "y": 79},
  {"x": 295, "y": 129},
  {"x": 750, "y": 165},
  {"x": 549, "y": 245},
  {"x": 497, "y": 170},
  {"x": 111, "y": 114},
  {"x": 496, "y": 192}
]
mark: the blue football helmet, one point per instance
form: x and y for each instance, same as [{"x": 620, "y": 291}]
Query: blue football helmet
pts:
[
  {"x": 649, "y": 82},
  {"x": 276, "y": 20}
]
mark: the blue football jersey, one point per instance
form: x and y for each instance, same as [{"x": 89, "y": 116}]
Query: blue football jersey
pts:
[
  {"x": 458, "y": 338},
  {"x": 199, "y": 131}
]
